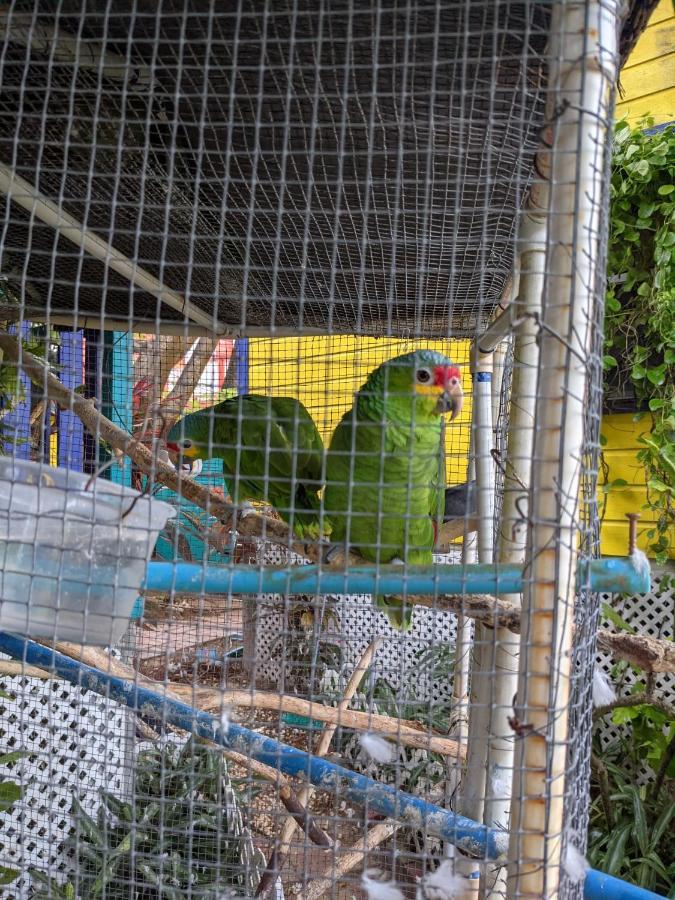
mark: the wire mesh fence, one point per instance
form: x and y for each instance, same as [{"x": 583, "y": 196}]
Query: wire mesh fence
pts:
[{"x": 255, "y": 441}]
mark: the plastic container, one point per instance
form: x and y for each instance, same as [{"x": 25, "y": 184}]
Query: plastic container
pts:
[{"x": 72, "y": 560}]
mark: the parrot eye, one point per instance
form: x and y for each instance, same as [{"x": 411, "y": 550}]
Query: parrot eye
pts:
[
  {"x": 186, "y": 444},
  {"x": 423, "y": 376}
]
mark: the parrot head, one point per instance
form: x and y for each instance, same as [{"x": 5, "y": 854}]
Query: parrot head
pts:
[
  {"x": 190, "y": 437},
  {"x": 424, "y": 379}
]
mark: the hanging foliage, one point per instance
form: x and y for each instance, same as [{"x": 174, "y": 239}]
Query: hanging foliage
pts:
[{"x": 639, "y": 356}]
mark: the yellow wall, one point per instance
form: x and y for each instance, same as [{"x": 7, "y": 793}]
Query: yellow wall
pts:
[
  {"x": 620, "y": 455},
  {"x": 324, "y": 373},
  {"x": 648, "y": 78}
]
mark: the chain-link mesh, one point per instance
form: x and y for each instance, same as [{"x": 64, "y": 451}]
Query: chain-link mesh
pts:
[{"x": 248, "y": 251}]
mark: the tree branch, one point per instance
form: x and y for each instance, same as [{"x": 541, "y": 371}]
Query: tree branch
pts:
[
  {"x": 213, "y": 699},
  {"x": 280, "y": 853},
  {"x": 605, "y": 791},
  {"x": 642, "y": 699}
]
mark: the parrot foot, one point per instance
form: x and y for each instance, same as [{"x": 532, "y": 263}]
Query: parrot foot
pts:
[
  {"x": 397, "y": 561},
  {"x": 333, "y": 552}
]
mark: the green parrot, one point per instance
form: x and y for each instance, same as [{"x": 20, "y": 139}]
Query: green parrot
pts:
[
  {"x": 271, "y": 451},
  {"x": 384, "y": 467}
]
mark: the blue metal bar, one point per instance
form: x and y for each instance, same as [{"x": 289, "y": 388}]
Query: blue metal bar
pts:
[
  {"x": 241, "y": 360},
  {"x": 471, "y": 837},
  {"x": 16, "y": 424},
  {"x": 121, "y": 389},
  {"x": 416, "y": 813},
  {"x": 599, "y": 886},
  {"x": 71, "y": 432},
  {"x": 608, "y": 575}
]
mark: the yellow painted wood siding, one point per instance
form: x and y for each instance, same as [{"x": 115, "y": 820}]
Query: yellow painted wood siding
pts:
[
  {"x": 620, "y": 456},
  {"x": 648, "y": 78}
]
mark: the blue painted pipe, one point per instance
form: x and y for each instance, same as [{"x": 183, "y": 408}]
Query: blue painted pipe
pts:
[
  {"x": 608, "y": 575},
  {"x": 475, "y": 839},
  {"x": 464, "y": 833},
  {"x": 599, "y": 886}
]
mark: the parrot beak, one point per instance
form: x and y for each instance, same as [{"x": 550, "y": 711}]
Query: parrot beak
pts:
[
  {"x": 450, "y": 402},
  {"x": 452, "y": 397}
]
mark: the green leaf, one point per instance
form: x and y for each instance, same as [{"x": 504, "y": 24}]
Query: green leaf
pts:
[
  {"x": 665, "y": 190},
  {"x": 655, "y": 484},
  {"x": 613, "y": 616},
  {"x": 614, "y": 485},
  {"x": 14, "y": 756},
  {"x": 7, "y": 876},
  {"x": 640, "y": 822},
  {"x": 9, "y": 794},
  {"x": 609, "y": 362},
  {"x": 616, "y": 848}
]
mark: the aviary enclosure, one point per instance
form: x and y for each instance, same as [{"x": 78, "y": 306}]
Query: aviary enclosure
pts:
[{"x": 209, "y": 687}]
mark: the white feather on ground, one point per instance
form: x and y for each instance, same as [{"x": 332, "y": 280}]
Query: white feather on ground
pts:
[
  {"x": 380, "y": 890},
  {"x": 378, "y": 749},
  {"x": 225, "y": 720},
  {"x": 603, "y": 689},
  {"x": 443, "y": 884},
  {"x": 575, "y": 864}
]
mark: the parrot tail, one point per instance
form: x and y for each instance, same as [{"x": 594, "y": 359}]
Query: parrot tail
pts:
[{"x": 398, "y": 613}]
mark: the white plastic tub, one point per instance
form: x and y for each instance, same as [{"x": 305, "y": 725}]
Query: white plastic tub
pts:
[{"x": 71, "y": 561}]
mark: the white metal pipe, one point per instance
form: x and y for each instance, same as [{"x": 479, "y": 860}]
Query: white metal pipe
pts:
[
  {"x": 583, "y": 65},
  {"x": 481, "y": 678},
  {"x": 29, "y": 198},
  {"x": 512, "y": 532}
]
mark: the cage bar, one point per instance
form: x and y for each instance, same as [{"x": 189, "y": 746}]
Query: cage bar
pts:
[{"x": 582, "y": 71}]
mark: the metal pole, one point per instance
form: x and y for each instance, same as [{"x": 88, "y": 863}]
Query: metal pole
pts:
[
  {"x": 582, "y": 68},
  {"x": 610, "y": 574},
  {"x": 481, "y": 678},
  {"x": 512, "y": 536},
  {"x": 33, "y": 201}
]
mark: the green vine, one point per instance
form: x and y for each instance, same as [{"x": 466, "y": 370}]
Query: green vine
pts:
[{"x": 640, "y": 306}]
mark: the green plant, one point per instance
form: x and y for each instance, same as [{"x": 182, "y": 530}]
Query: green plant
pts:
[
  {"x": 640, "y": 305},
  {"x": 178, "y": 833},
  {"x": 631, "y": 830},
  {"x": 10, "y": 793}
]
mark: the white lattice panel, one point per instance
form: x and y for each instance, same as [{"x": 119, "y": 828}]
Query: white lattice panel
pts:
[
  {"x": 359, "y": 622},
  {"x": 651, "y": 614},
  {"x": 78, "y": 744}
]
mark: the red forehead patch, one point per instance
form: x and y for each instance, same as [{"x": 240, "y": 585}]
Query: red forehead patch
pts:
[{"x": 444, "y": 374}]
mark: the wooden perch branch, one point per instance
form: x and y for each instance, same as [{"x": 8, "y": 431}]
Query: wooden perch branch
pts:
[
  {"x": 283, "y": 845},
  {"x": 648, "y": 653},
  {"x": 213, "y": 699}
]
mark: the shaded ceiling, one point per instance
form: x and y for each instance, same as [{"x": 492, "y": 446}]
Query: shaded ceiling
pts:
[{"x": 340, "y": 166}]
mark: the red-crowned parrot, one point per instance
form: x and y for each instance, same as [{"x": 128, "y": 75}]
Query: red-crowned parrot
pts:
[
  {"x": 385, "y": 467},
  {"x": 271, "y": 451}
]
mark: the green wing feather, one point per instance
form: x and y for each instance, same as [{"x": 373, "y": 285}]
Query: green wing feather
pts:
[{"x": 271, "y": 451}]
